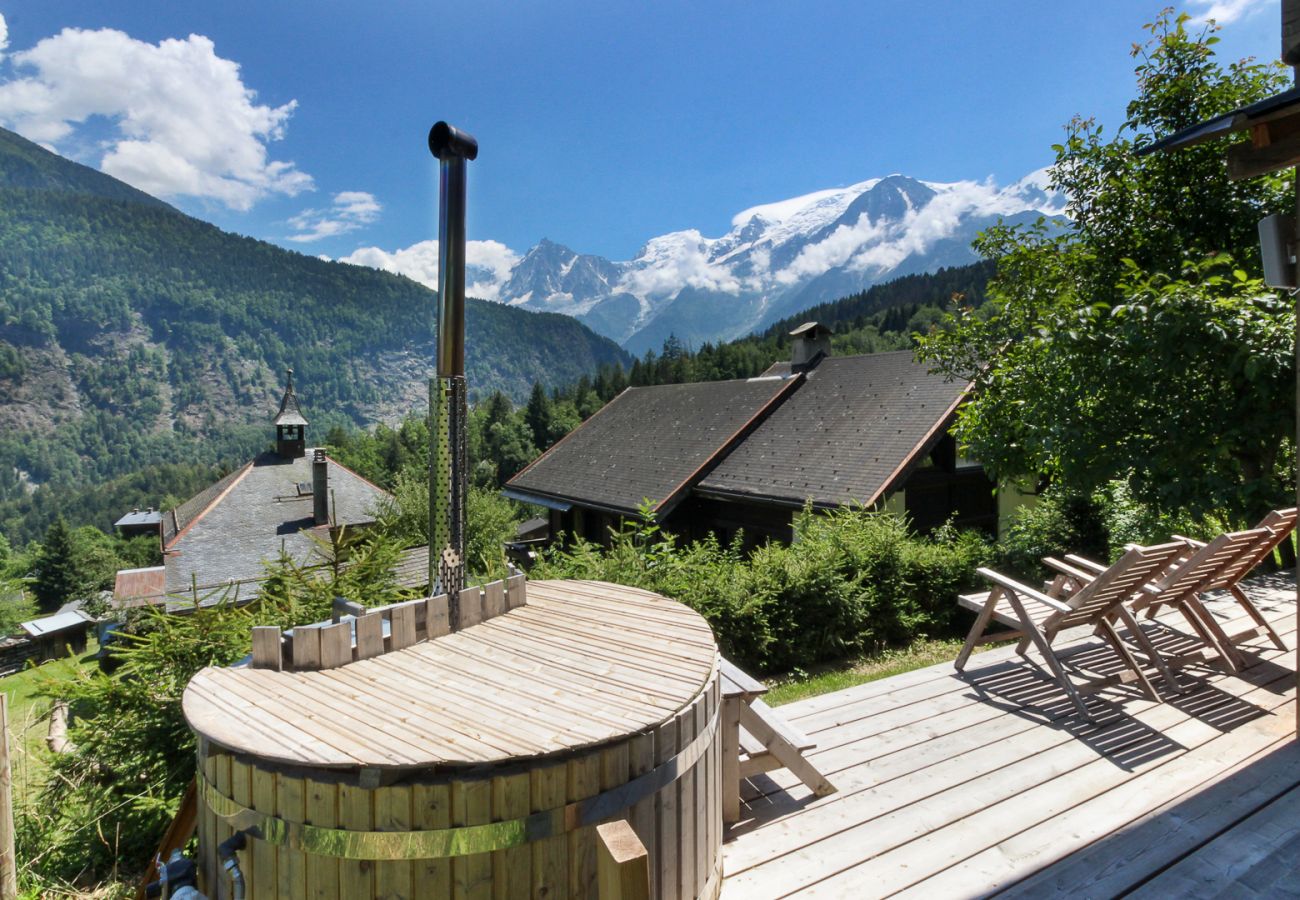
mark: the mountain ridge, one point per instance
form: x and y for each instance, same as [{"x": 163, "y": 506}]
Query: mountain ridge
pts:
[
  {"x": 132, "y": 334},
  {"x": 777, "y": 259}
]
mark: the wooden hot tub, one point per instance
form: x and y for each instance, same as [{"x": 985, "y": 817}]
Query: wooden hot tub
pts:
[{"x": 474, "y": 763}]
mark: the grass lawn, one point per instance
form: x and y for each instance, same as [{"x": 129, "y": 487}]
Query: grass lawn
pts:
[
  {"x": 28, "y": 721},
  {"x": 846, "y": 673}
]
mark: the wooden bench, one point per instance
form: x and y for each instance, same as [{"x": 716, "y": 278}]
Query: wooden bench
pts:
[{"x": 755, "y": 739}]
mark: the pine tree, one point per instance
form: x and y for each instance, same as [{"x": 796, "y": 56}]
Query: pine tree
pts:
[
  {"x": 538, "y": 415},
  {"x": 57, "y": 579}
]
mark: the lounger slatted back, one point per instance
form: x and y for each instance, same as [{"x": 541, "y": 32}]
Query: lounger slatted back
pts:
[
  {"x": 1036, "y": 617},
  {"x": 1219, "y": 564},
  {"x": 1281, "y": 522}
]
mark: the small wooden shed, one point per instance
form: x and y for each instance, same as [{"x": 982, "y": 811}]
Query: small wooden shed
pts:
[{"x": 467, "y": 748}]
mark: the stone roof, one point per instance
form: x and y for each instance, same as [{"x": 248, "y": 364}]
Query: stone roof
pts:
[
  {"x": 649, "y": 443},
  {"x": 227, "y": 532},
  {"x": 848, "y": 435}
]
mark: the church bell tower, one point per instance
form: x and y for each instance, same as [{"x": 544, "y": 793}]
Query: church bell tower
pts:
[{"x": 290, "y": 426}]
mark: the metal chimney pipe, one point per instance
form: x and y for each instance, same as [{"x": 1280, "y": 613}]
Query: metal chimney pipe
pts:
[{"x": 448, "y": 410}]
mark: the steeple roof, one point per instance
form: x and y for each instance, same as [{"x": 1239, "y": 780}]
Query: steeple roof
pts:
[{"x": 289, "y": 413}]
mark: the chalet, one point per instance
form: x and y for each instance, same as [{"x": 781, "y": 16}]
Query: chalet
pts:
[
  {"x": 286, "y": 500},
  {"x": 747, "y": 454}
]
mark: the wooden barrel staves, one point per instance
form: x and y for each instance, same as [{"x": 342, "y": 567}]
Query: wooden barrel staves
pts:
[{"x": 474, "y": 764}]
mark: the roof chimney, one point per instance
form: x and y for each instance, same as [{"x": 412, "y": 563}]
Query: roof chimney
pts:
[
  {"x": 320, "y": 488},
  {"x": 810, "y": 343}
]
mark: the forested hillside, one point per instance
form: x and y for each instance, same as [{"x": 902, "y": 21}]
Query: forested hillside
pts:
[{"x": 134, "y": 335}]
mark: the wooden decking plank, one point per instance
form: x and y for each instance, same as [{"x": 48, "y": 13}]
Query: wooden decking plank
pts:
[
  {"x": 632, "y": 704},
  {"x": 435, "y": 706},
  {"x": 272, "y": 712},
  {"x": 640, "y": 616},
  {"x": 1159, "y": 837},
  {"x": 792, "y": 833},
  {"x": 905, "y": 839},
  {"x": 364, "y": 716},
  {"x": 841, "y": 752},
  {"x": 580, "y": 664},
  {"x": 989, "y": 661},
  {"x": 577, "y": 666},
  {"x": 558, "y": 639},
  {"x": 1108, "y": 812},
  {"x": 662, "y": 656},
  {"x": 945, "y": 840},
  {"x": 885, "y": 784},
  {"x": 540, "y": 684},
  {"x": 540, "y": 719},
  {"x": 1260, "y": 845}
]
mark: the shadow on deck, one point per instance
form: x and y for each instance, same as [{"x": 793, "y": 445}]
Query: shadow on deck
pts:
[{"x": 957, "y": 786}]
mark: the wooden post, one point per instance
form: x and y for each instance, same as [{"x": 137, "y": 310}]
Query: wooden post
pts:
[
  {"x": 622, "y": 864},
  {"x": 1290, "y": 43},
  {"x": 8, "y": 858}
]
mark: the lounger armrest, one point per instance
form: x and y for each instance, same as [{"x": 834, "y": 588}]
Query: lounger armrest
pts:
[
  {"x": 1084, "y": 563},
  {"x": 1068, "y": 570},
  {"x": 1191, "y": 542},
  {"x": 1023, "y": 590}
]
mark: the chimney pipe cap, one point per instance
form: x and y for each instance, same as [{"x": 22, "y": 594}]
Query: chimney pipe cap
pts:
[{"x": 448, "y": 141}]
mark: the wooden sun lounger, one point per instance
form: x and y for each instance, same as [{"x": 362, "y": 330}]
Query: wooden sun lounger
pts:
[
  {"x": 756, "y": 739},
  {"x": 1281, "y": 522},
  {"x": 1219, "y": 564},
  {"x": 1036, "y": 617}
]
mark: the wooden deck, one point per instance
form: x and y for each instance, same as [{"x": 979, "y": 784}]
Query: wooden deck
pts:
[{"x": 990, "y": 783}]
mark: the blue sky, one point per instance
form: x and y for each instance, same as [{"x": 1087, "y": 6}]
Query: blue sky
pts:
[{"x": 601, "y": 124}]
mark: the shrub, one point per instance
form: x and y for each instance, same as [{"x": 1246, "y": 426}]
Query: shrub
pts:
[
  {"x": 852, "y": 580},
  {"x": 1059, "y": 523}
]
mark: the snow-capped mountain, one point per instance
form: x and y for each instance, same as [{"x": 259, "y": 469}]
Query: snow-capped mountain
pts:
[{"x": 777, "y": 259}]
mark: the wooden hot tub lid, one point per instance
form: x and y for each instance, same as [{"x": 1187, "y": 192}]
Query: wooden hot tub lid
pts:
[{"x": 582, "y": 663}]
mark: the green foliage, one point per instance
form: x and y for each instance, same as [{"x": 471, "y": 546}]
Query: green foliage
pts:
[
  {"x": 1056, "y": 524},
  {"x": 490, "y": 522},
  {"x": 16, "y": 607},
  {"x": 57, "y": 578},
  {"x": 1128, "y": 347},
  {"x": 176, "y": 335},
  {"x": 853, "y": 580}
]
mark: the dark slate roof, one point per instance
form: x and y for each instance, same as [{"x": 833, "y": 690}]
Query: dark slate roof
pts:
[
  {"x": 846, "y": 435},
  {"x": 648, "y": 443},
  {"x": 411, "y": 571},
  {"x": 175, "y": 520},
  {"x": 228, "y": 530}
]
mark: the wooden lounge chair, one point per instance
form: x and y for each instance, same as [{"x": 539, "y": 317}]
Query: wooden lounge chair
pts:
[
  {"x": 1281, "y": 522},
  {"x": 1220, "y": 564},
  {"x": 757, "y": 739},
  {"x": 1037, "y": 617}
]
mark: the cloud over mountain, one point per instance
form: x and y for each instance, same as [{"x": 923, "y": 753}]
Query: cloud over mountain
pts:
[{"x": 777, "y": 259}]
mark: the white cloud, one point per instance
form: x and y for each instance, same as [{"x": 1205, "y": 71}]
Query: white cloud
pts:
[
  {"x": 184, "y": 123},
  {"x": 1227, "y": 11},
  {"x": 349, "y": 211},
  {"x": 487, "y": 264},
  {"x": 883, "y": 244},
  {"x": 4, "y": 36},
  {"x": 671, "y": 262}
]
